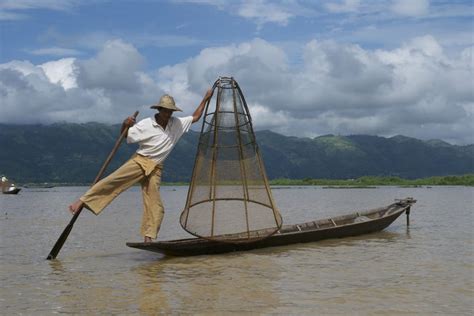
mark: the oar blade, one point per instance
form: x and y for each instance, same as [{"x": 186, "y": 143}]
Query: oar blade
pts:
[{"x": 62, "y": 239}]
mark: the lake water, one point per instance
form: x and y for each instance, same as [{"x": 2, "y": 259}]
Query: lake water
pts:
[{"x": 425, "y": 268}]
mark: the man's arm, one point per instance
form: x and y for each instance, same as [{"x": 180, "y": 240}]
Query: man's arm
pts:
[
  {"x": 128, "y": 122},
  {"x": 198, "y": 112}
]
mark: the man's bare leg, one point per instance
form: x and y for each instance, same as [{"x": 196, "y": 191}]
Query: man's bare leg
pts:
[
  {"x": 148, "y": 239},
  {"x": 74, "y": 207}
]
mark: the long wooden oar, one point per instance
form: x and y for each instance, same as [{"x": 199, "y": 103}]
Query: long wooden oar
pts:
[{"x": 59, "y": 244}]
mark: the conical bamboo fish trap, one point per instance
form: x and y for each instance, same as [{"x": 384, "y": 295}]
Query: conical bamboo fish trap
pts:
[{"x": 229, "y": 198}]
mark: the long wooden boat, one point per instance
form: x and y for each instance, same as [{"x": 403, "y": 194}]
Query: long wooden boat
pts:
[{"x": 354, "y": 224}]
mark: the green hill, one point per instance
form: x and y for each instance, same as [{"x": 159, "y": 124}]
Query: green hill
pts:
[{"x": 73, "y": 153}]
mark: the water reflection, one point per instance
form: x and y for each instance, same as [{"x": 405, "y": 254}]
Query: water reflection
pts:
[
  {"x": 82, "y": 287},
  {"x": 56, "y": 266},
  {"x": 208, "y": 283}
]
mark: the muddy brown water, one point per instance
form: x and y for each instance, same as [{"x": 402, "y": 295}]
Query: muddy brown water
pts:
[{"x": 422, "y": 269}]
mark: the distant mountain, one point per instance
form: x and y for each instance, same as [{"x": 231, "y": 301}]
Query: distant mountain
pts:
[{"x": 73, "y": 153}]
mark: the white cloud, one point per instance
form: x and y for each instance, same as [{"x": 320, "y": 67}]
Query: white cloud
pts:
[
  {"x": 344, "y": 89},
  {"x": 37, "y": 4},
  {"x": 23, "y": 67},
  {"x": 218, "y": 3},
  {"x": 55, "y": 51},
  {"x": 345, "y": 6},
  {"x": 260, "y": 12},
  {"x": 62, "y": 72},
  {"x": 114, "y": 68},
  {"x": 11, "y": 16},
  {"x": 265, "y": 12},
  {"x": 165, "y": 40},
  {"x": 263, "y": 116},
  {"x": 9, "y": 9},
  {"x": 29, "y": 97},
  {"x": 105, "y": 88},
  {"x": 415, "y": 90},
  {"x": 411, "y": 7}
]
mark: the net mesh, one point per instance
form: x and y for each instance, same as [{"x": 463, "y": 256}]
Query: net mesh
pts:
[{"x": 229, "y": 198}]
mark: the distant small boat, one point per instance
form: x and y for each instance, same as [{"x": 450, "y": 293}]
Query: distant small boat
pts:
[
  {"x": 336, "y": 227},
  {"x": 39, "y": 186},
  {"x": 8, "y": 187},
  {"x": 11, "y": 191}
]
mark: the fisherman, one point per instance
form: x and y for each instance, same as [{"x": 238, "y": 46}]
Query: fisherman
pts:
[
  {"x": 156, "y": 137},
  {"x": 4, "y": 183}
]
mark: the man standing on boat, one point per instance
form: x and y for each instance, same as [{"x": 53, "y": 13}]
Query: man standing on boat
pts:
[{"x": 156, "y": 137}]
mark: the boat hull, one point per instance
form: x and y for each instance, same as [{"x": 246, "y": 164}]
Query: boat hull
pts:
[
  {"x": 351, "y": 225},
  {"x": 14, "y": 191}
]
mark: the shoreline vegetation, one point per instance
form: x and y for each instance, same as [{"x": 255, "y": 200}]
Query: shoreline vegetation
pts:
[
  {"x": 359, "y": 183},
  {"x": 371, "y": 181}
]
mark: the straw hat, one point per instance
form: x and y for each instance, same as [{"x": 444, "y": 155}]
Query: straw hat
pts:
[{"x": 167, "y": 102}]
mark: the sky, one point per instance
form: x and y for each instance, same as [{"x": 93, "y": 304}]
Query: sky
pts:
[{"x": 306, "y": 68}]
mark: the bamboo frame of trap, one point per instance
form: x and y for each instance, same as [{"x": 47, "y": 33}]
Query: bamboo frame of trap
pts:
[{"x": 214, "y": 181}]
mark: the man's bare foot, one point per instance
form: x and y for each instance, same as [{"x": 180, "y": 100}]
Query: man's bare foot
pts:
[
  {"x": 147, "y": 240},
  {"x": 74, "y": 207}
]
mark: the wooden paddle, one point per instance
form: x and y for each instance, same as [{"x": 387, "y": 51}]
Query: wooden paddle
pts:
[{"x": 59, "y": 244}]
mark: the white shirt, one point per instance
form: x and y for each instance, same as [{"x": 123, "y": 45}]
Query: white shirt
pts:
[{"x": 155, "y": 142}]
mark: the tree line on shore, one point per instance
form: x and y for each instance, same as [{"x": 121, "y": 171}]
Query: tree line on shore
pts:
[
  {"x": 466, "y": 180},
  {"x": 366, "y": 181}
]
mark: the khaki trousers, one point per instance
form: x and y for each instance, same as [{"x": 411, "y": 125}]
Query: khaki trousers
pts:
[{"x": 136, "y": 169}]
